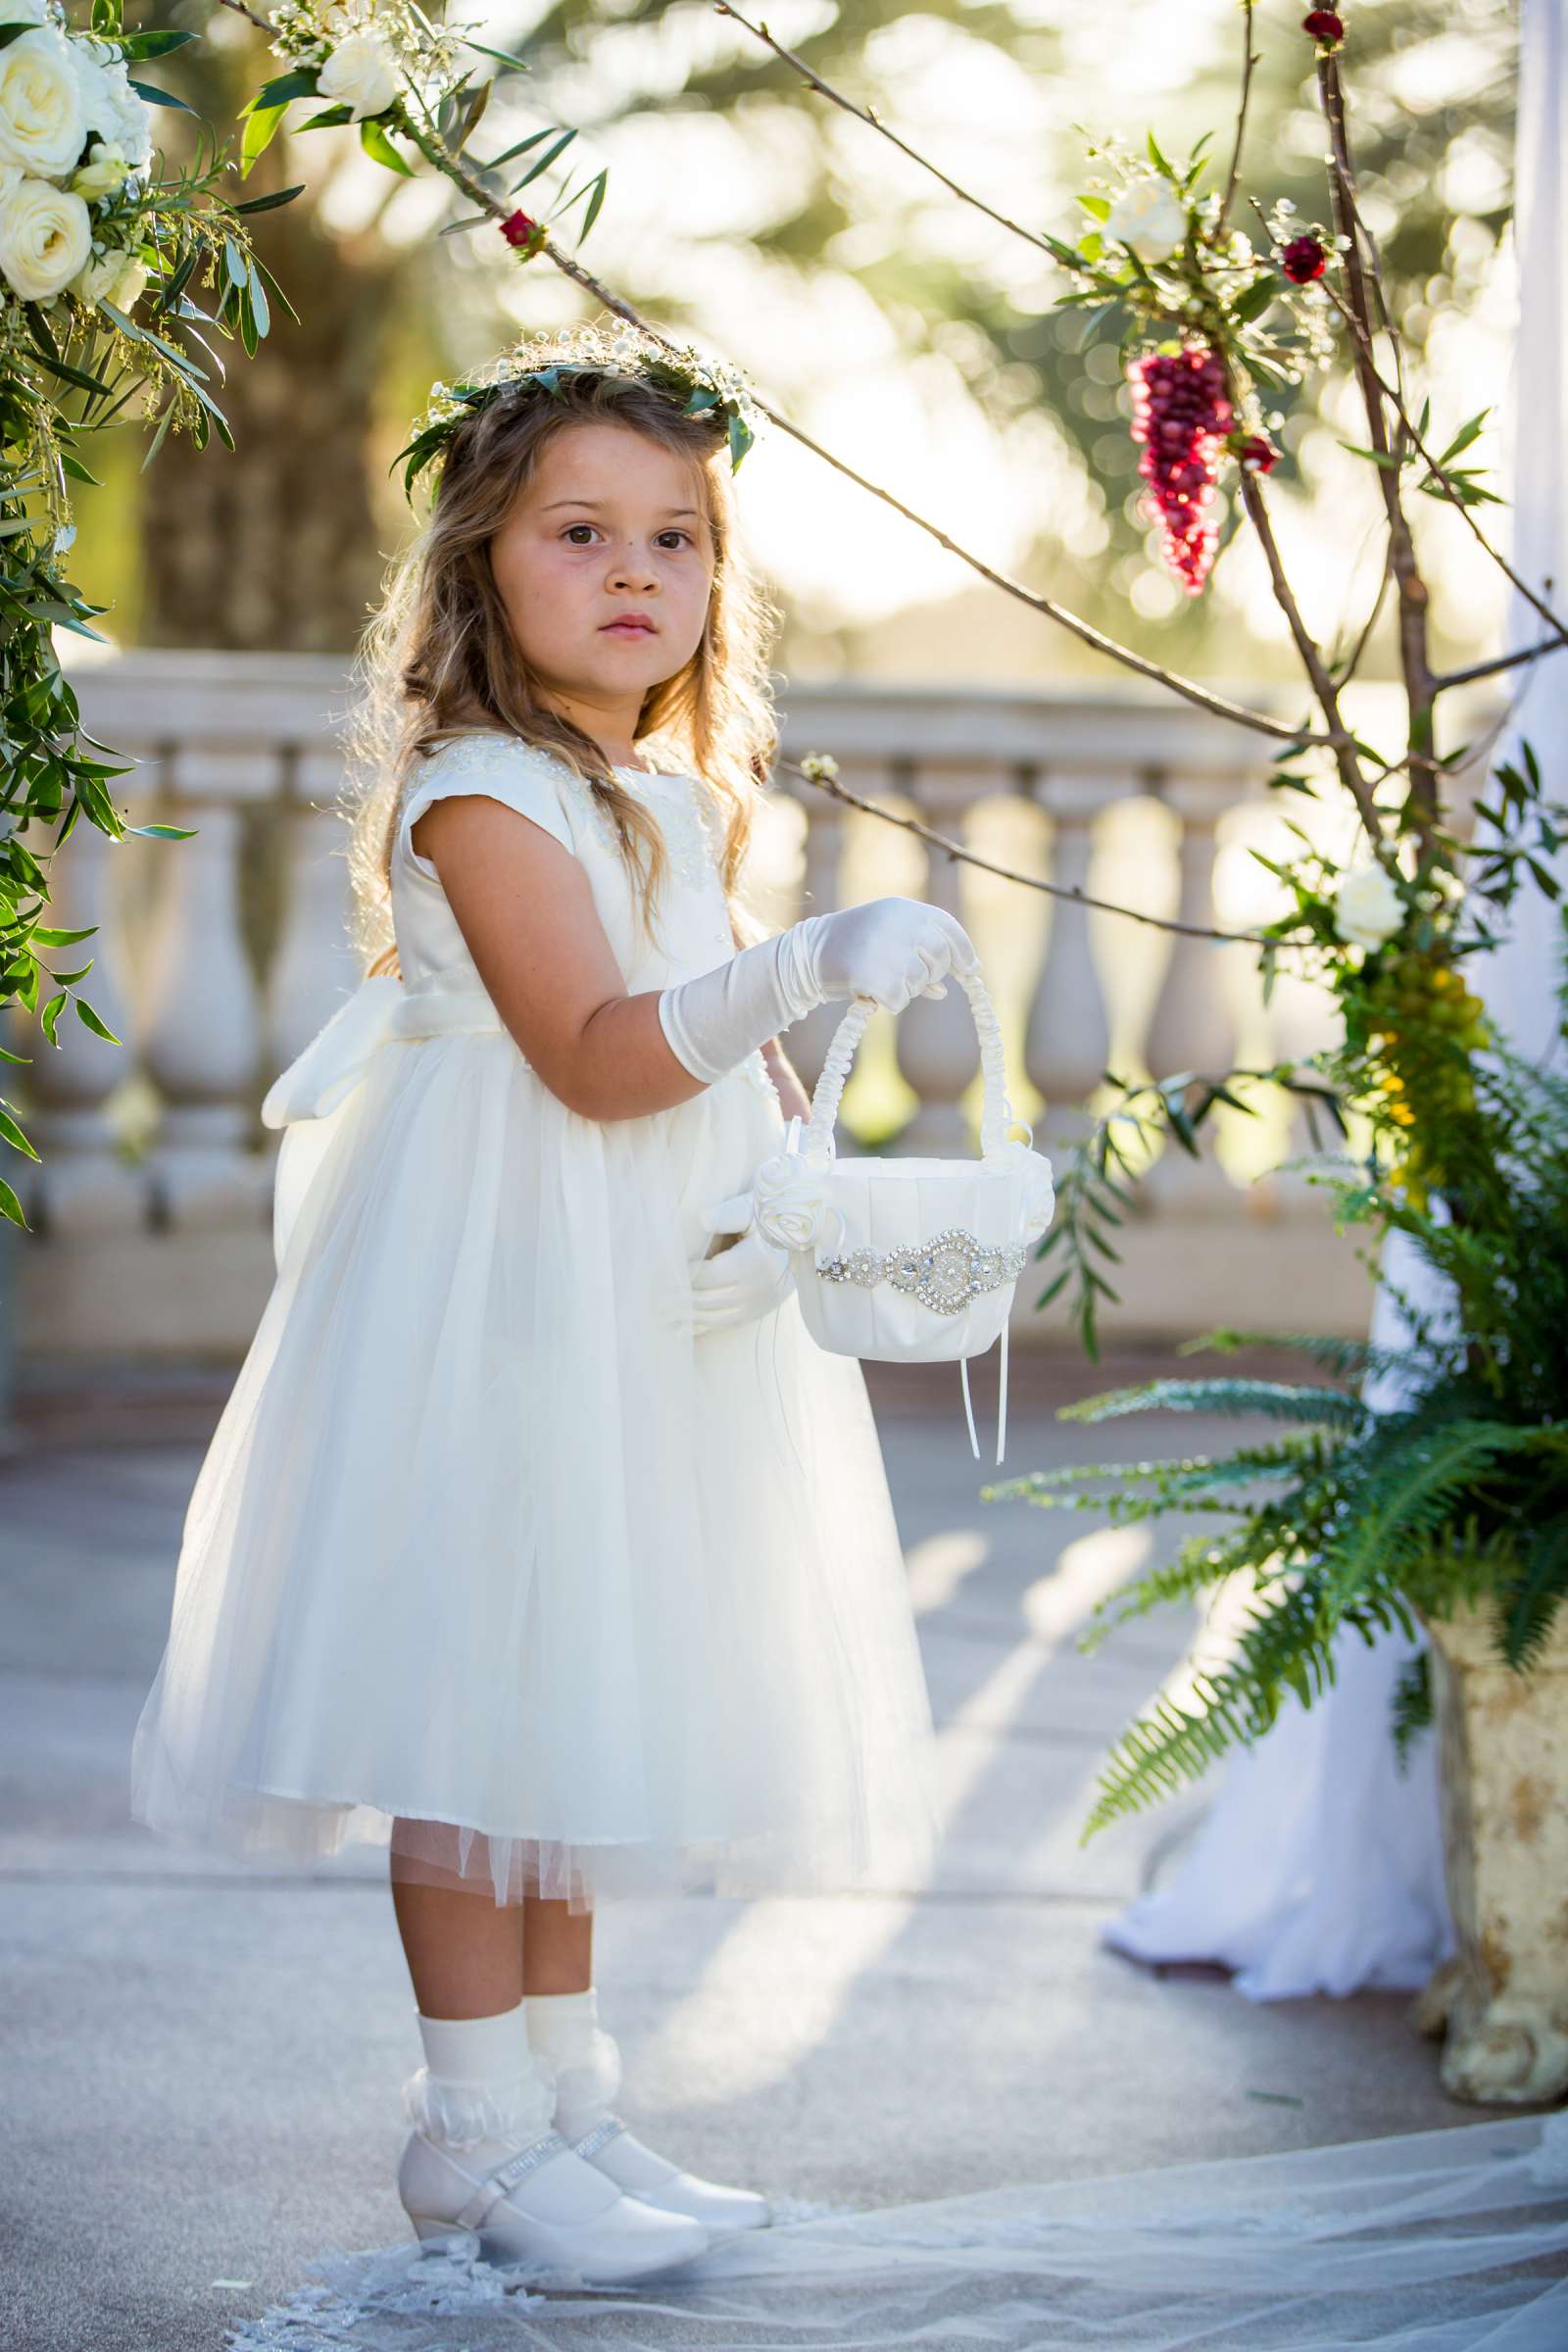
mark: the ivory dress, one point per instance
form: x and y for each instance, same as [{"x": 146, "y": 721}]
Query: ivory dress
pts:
[{"x": 487, "y": 1537}]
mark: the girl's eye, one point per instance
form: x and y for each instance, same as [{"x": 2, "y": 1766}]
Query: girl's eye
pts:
[{"x": 672, "y": 533}]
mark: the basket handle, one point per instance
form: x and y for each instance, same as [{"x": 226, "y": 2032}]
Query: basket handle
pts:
[{"x": 996, "y": 1113}]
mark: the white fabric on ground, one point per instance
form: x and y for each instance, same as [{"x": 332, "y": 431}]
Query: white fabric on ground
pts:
[{"x": 1435, "y": 2241}]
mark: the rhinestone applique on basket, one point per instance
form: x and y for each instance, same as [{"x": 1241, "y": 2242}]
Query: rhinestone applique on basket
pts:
[{"x": 944, "y": 1273}]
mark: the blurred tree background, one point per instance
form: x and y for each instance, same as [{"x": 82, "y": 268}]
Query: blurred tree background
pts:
[{"x": 905, "y": 329}]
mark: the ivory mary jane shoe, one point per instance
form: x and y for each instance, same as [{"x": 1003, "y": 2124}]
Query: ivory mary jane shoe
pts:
[
  {"x": 622, "y": 2158},
  {"x": 545, "y": 2206}
]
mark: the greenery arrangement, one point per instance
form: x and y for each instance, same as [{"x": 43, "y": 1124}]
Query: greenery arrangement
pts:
[
  {"x": 93, "y": 232},
  {"x": 1444, "y": 1487}
]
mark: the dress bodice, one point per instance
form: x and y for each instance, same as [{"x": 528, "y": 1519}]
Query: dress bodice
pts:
[{"x": 689, "y": 931}]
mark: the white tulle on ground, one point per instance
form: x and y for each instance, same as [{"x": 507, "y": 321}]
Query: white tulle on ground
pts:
[
  {"x": 1435, "y": 2241},
  {"x": 1319, "y": 1867}
]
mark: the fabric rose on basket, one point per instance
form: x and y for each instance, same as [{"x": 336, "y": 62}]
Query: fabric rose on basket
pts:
[
  {"x": 794, "y": 1208},
  {"x": 1040, "y": 1185}
]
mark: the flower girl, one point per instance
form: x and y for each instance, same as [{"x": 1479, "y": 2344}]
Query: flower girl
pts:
[{"x": 537, "y": 1541}]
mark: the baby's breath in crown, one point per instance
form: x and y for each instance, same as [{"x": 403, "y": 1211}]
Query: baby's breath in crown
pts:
[{"x": 696, "y": 385}]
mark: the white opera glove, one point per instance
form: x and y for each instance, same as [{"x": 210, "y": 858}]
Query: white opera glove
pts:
[
  {"x": 742, "y": 1283},
  {"x": 891, "y": 950}
]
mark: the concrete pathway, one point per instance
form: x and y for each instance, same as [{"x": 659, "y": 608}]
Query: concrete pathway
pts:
[{"x": 201, "y": 2065}]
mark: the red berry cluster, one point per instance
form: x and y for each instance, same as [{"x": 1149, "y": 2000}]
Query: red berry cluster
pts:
[
  {"x": 1324, "y": 25},
  {"x": 1302, "y": 259},
  {"x": 1181, "y": 415}
]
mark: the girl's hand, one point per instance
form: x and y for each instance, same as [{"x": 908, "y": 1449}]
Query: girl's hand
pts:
[{"x": 744, "y": 1282}]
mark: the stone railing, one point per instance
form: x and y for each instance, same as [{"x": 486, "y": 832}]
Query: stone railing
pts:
[{"x": 216, "y": 958}]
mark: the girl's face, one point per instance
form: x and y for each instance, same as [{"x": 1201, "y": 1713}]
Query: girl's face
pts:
[{"x": 604, "y": 565}]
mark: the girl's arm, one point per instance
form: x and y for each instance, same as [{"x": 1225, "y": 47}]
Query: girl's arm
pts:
[{"x": 526, "y": 909}]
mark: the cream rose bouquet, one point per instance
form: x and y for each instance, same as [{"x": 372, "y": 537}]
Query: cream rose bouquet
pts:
[{"x": 105, "y": 258}]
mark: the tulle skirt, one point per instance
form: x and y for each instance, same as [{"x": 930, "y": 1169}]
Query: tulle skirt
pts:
[{"x": 493, "y": 1562}]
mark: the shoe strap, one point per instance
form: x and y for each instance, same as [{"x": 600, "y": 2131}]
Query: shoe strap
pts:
[
  {"x": 506, "y": 2177},
  {"x": 598, "y": 2136}
]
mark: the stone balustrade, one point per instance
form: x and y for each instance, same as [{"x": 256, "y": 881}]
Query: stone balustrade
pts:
[{"x": 216, "y": 958}]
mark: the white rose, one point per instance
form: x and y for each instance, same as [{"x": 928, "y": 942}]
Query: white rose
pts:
[
  {"x": 45, "y": 238},
  {"x": 1368, "y": 908},
  {"x": 103, "y": 173},
  {"x": 791, "y": 1202},
  {"x": 133, "y": 286},
  {"x": 359, "y": 75},
  {"x": 111, "y": 108},
  {"x": 1149, "y": 219},
  {"x": 99, "y": 277},
  {"x": 41, "y": 124}
]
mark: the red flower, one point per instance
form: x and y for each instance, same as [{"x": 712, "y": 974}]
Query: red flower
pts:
[
  {"x": 1302, "y": 259},
  {"x": 1324, "y": 25},
  {"x": 1257, "y": 454},
  {"x": 523, "y": 231}
]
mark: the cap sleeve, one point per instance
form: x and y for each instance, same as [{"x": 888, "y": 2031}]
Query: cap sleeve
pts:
[{"x": 500, "y": 768}]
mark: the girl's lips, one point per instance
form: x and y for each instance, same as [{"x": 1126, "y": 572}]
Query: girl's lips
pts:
[{"x": 628, "y": 628}]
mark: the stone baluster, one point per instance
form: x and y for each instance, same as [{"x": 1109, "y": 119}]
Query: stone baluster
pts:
[
  {"x": 1193, "y": 1025},
  {"x": 315, "y": 964},
  {"x": 1067, "y": 1036},
  {"x": 938, "y": 1049},
  {"x": 807, "y": 1040},
  {"x": 201, "y": 1039},
  {"x": 82, "y": 1186}
]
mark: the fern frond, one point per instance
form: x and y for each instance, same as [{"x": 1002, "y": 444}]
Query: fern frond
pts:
[
  {"x": 1279, "y": 1400},
  {"x": 1533, "y": 1604}
]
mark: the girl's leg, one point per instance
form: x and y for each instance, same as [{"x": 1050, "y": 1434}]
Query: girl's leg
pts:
[
  {"x": 558, "y": 1948},
  {"x": 464, "y": 1948}
]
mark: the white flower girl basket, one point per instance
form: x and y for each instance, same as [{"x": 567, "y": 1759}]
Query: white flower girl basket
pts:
[{"x": 910, "y": 1261}]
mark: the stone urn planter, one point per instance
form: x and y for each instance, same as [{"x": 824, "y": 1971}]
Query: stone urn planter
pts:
[{"x": 1502, "y": 2002}]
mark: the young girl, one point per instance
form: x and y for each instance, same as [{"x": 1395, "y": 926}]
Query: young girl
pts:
[{"x": 537, "y": 1540}]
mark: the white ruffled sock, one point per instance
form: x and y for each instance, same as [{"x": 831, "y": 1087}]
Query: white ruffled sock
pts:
[
  {"x": 483, "y": 2088},
  {"x": 565, "y": 2034}
]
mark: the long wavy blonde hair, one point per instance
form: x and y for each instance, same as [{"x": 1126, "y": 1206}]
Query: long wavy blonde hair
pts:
[{"x": 440, "y": 657}]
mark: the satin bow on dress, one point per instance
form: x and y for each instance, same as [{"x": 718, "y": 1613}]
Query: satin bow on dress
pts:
[{"x": 380, "y": 1010}]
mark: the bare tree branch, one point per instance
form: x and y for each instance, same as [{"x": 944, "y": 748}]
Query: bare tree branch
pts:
[
  {"x": 1233, "y": 177},
  {"x": 864, "y": 113},
  {"x": 1052, "y": 890}
]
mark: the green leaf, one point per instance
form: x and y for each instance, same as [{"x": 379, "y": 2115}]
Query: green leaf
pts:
[
  {"x": 157, "y": 97},
  {"x": 12, "y": 1134},
  {"x": 518, "y": 65},
  {"x": 256, "y": 138},
  {"x": 545, "y": 161},
  {"x": 90, "y": 1020},
  {"x": 1099, "y": 207},
  {"x": 1158, "y": 161},
  {"x": 380, "y": 148},
  {"x": 151, "y": 45},
  {"x": 266, "y": 204},
  {"x": 10, "y": 1205},
  {"x": 301, "y": 82},
  {"x": 1253, "y": 301}
]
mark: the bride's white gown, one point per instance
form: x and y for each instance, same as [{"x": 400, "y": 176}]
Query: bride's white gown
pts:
[{"x": 1317, "y": 1868}]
